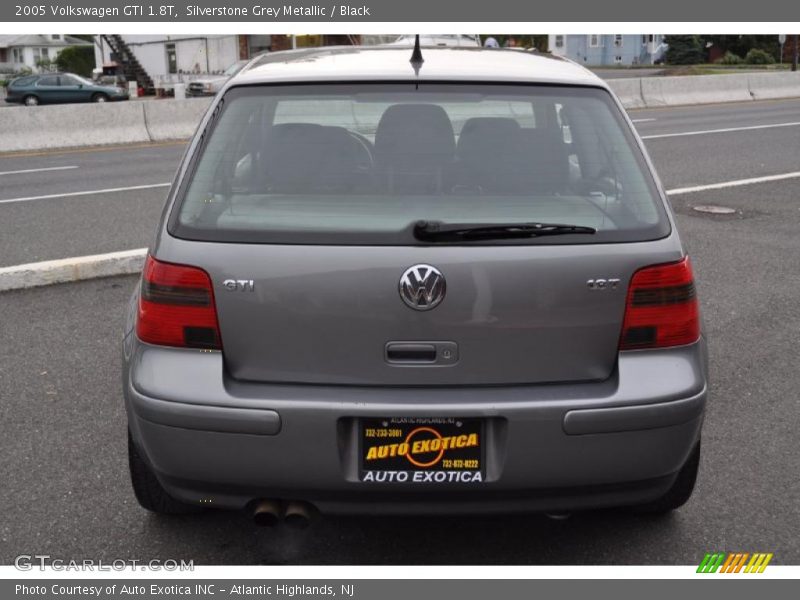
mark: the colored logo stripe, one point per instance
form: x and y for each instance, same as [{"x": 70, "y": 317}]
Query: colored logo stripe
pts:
[
  {"x": 711, "y": 562},
  {"x": 758, "y": 563},
  {"x": 734, "y": 562}
]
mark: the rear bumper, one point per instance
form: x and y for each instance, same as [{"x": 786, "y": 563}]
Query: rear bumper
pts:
[{"x": 549, "y": 447}]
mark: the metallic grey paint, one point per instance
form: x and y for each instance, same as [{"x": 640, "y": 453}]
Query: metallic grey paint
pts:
[{"x": 571, "y": 422}]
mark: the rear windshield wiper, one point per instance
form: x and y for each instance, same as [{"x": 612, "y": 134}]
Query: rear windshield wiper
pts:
[{"x": 436, "y": 231}]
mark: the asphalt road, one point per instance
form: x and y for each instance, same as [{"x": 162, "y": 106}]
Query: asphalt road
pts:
[{"x": 62, "y": 426}]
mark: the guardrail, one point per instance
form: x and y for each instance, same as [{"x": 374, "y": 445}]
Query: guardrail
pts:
[
  {"x": 650, "y": 92},
  {"x": 73, "y": 126}
]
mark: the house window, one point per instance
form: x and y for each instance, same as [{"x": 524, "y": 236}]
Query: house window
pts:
[
  {"x": 559, "y": 41},
  {"x": 16, "y": 55},
  {"x": 617, "y": 60},
  {"x": 618, "y": 40},
  {"x": 595, "y": 41},
  {"x": 56, "y": 36}
]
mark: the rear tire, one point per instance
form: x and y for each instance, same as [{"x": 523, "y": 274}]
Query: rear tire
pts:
[
  {"x": 681, "y": 490},
  {"x": 99, "y": 98},
  {"x": 30, "y": 101},
  {"x": 148, "y": 490}
]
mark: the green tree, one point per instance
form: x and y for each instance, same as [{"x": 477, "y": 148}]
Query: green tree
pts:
[
  {"x": 76, "y": 59},
  {"x": 684, "y": 50}
]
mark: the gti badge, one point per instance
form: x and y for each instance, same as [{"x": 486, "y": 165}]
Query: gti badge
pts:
[
  {"x": 422, "y": 287},
  {"x": 243, "y": 285},
  {"x": 602, "y": 284}
]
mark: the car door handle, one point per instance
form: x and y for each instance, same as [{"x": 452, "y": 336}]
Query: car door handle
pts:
[{"x": 421, "y": 353}]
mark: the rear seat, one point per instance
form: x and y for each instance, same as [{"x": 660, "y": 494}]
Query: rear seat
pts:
[
  {"x": 416, "y": 153},
  {"x": 414, "y": 149},
  {"x": 309, "y": 158},
  {"x": 489, "y": 155},
  {"x": 496, "y": 155}
]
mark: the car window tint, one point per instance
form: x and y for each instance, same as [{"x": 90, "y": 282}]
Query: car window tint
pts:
[
  {"x": 47, "y": 81},
  {"x": 362, "y": 163}
]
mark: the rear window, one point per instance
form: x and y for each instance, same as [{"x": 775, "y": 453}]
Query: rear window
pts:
[{"x": 362, "y": 163}]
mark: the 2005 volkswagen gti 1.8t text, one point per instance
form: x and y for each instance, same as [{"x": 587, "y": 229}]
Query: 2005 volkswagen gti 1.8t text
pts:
[{"x": 439, "y": 285}]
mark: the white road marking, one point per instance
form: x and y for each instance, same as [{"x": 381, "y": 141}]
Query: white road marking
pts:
[
  {"x": 642, "y": 120},
  {"x": 86, "y": 193},
  {"x": 725, "y": 130},
  {"x": 734, "y": 183},
  {"x": 38, "y": 170}
]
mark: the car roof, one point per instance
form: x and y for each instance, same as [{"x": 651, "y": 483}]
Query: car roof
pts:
[{"x": 355, "y": 63}]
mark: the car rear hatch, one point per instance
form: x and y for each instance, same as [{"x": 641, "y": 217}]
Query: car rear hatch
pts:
[
  {"x": 511, "y": 315},
  {"x": 302, "y": 214}
]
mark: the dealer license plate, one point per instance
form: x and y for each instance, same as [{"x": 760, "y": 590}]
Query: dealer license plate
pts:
[{"x": 421, "y": 450}]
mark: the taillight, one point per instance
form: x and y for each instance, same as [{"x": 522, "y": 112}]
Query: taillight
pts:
[
  {"x": 176, "y": 307},
  {"x": 662, "y": 308}
]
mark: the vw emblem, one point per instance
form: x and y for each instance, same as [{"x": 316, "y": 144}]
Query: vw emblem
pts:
[{"x": 422, "y": 287}]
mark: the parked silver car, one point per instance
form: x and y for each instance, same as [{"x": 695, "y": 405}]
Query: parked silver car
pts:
[
  {"x": 450, "y": 284},
  {"x": 211, "y": 84}
]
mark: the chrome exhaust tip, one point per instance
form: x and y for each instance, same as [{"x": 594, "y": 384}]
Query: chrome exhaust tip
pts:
[
  {"x": 299, "y": 515},
  {"x": 267, "y": 513}
]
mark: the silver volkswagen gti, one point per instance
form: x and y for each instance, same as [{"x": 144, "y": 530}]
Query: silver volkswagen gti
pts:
[{"x": 450, "y": 284}]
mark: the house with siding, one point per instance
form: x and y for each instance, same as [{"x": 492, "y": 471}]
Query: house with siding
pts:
[
  {"x": 596, "y": 50},
  {"x": 25, "y": 52}
]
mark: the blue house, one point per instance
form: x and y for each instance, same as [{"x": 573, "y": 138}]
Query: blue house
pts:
[{"x": 610, "y": 49}]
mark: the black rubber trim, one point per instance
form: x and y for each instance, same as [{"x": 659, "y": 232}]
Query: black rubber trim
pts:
[
  {"x": 221, "y": 419},
  {"x": 634, "y": 418}
]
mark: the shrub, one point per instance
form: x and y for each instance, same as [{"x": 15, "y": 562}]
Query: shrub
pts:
[
  {"x": 756, "y": 56},
  {"x": 44, "y": 64},
  {"x": 730, "y": 59},
  {"x": 76, "y": 59}
]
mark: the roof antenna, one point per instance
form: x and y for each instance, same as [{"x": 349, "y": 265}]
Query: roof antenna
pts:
[{"x": 416, "y": 56}]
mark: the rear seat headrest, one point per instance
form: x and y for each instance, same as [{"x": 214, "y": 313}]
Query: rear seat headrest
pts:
[
  {"x": 309, "y": 155},
  {"x": 410, "y": 135},
  {"x": 488, "y": 135}
]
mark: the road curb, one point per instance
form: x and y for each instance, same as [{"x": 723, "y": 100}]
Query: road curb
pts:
[{"x": 66, "y": 270}]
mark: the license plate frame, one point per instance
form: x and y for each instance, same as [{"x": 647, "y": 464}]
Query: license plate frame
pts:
[{"x": 421, "y": 450}]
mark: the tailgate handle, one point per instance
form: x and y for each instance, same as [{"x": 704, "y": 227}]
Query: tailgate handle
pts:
[{"x": 399, "y": 352}]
